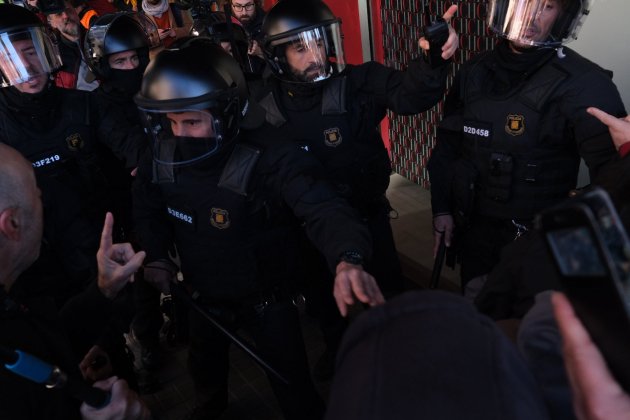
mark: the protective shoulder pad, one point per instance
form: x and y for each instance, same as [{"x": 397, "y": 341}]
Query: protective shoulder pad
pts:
[
  {"x": 273, "y": 114},
  {"x": 239, "y": 168},
  {"x": 334, "y": 96}
]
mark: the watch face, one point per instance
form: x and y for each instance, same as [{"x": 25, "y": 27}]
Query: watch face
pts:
[{"x": 352, "y": 257}]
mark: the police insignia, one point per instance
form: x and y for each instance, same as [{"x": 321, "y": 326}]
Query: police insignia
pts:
[
  {"x": 332, "y": 137},
  {"x": 219, "y": 218},
  {"x": 74, "y": 142},
  {"x": 515, "y": 125}
]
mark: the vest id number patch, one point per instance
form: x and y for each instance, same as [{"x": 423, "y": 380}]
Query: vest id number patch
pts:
[
  {"x": 49, "y": 160},
  {"x": 180, "y": 216},
  {"x": 477, "y": 129}
]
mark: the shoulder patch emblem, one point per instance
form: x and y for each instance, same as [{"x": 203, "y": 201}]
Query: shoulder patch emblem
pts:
[
  {"x": 332, "y": 137},
  {"x": 74, "y": 142},
  {"x": 515, "y": 125},
  {"x": 219, "y": 218}
]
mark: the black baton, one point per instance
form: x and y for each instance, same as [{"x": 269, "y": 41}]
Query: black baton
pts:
[
  {"x": 178, "y": 290},
  {"x": 439, "y": 262}
]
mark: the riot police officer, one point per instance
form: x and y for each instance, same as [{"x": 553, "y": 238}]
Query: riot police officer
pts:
[
  {"x": 514, "y": 129},
  {"x": 116, "y": 48},
  {"x": 63, "y": 133},
  {"x": 225, "y": 189},
  {"x": 334, "y": 109}
]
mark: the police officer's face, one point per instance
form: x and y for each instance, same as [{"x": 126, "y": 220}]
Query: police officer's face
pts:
[
  {"x": 306, "y": 62},
  {"x": 28, "y": 55},
  {"x": 542, "y": 20},
  {"x": 126, "y": 60},
  {"x": 244, "y": 10},
  {"x": 197, "y": 124}
]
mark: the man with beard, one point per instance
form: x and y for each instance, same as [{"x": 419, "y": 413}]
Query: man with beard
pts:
[
  {"x": 333, "y": 110},
  {"x": 75, "y": 73},
  {"x": 251, "y": 16}
]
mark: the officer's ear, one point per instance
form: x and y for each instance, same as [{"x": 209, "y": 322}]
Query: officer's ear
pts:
[{"x": 10, "y": 223}]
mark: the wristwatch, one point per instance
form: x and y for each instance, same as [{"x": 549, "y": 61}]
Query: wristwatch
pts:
[{"x": 351, "y": 257}]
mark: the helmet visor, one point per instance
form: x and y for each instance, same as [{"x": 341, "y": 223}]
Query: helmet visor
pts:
[
  {"x": 183, "y": 137},
  {"x": 95, "y": 40},
  {"x": 26, "y": 55},
  {"x": 311, "y": 55},
  {"x": 537, "y": 22}
]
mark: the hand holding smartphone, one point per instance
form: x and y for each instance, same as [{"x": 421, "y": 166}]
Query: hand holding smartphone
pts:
[{"x": 591, "y": 251}]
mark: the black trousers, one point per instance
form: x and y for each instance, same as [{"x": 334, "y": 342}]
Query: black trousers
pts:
[{"x": 277, "y": 335}]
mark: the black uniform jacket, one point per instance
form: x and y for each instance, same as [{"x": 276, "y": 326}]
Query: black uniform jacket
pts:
[
  {"x": 338, "y": 118},
  {"x": 233, "y": 245},
  {"x": 515, "y": 127}
]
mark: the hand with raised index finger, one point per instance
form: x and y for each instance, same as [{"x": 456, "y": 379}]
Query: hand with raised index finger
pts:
[
  {"x": 116, "y": 262},
  {"x": 619, "y": 127}
]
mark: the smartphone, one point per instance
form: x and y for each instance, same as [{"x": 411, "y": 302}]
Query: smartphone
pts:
[{"x": 590, "y": 250}]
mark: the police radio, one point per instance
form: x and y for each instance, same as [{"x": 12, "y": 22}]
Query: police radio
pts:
[{"x": 436, "y": 34}]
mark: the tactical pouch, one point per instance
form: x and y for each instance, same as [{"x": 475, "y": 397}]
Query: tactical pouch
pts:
[
  {"x": 465, "y": 176},
  {"x": 499, "y": 184}
]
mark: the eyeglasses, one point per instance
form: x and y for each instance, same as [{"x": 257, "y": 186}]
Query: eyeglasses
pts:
[{"x": 240, "y": 7}]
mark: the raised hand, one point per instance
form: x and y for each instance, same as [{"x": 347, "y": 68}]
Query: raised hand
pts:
[
  {"x": 450, "y": 46},
  {"x": 116, "y": 262}
]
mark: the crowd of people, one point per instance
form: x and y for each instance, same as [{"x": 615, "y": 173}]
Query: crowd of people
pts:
[{"x": 235, "y": 158}]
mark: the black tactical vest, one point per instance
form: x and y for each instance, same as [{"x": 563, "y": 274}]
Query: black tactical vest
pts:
[{"x": 522, "y": 146}]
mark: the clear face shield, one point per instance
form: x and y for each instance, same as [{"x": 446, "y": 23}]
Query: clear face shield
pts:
[
  {"x": 542, "y": 23},
  {"x": 26, "y": 56},
  {"x": 310, "y": 56},
  {"x": 183, "y": 137}
]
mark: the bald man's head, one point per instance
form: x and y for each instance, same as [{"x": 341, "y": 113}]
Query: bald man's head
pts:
[
  {"x": 21, "y": 220},
  {"x": 14, "y": 176}
]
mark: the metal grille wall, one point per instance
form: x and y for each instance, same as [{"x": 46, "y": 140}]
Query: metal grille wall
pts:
[{"x": 413, "y": 137}]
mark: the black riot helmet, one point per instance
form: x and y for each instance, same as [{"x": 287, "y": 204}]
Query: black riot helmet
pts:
[
  {"x": 115, "y": 33},
  {"x": 26, "y": 48},
  {"x": 541, "y": 23},
  {"x": 194, "y": 80},
  {"x": 305, "y": 27},
  {"x": 217, "y": 28}
]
